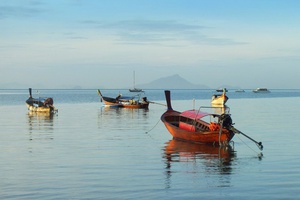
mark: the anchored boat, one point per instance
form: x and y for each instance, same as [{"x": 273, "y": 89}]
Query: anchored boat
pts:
[
  {"x": 134, "y": 89},
  {"x": 191, "y": 126},
  {"x": 40, "y": 104},
  {"x": 121, "y": 101},
  {"x": 219, "y": 99},
  {"x": 261, "y": 90}
]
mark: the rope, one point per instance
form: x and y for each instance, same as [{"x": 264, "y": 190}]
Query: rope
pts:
[
  {"x": 157, "y": 103},
  {"x": 153, "y": 127},
  {"x": 258, "y": 154},
  {"x": 149, "y": 135}
]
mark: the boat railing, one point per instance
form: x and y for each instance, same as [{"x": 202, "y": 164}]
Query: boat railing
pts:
[
  {"x": 215, "y": 111},
  {"x": 219, "y": 109}
]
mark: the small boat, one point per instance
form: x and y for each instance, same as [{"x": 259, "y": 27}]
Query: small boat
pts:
[
  {"x": 261, "y": 90},
  {"x": 221, "y": 90},
  {"x": 219, "y": 99},
  {"x": 192, "y": 126},
  {"x": 40, "y": 104},
  {"x": 240, "y": 90},
  {"x": 125, "y": 102},
  {"x": 134, "y": 89}
]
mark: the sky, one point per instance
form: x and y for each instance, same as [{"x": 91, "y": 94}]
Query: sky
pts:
[{"x": 100, "y": 43}]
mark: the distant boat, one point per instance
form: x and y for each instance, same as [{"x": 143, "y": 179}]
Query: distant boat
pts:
[
  {"x": 134, "y": 89},
  {"x": 222, "y": 89},
  {"x": 40, "y": 104},
  {"x": 121, "y": 101},
  {"x": 240, "y": 90},
  {"x": 219, "y": 99},
  {"x": 261, "y": 90}
]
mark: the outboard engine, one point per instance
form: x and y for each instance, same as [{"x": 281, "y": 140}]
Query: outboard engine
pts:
[
  {"x": 144, "y": 99},
  {"x": 226, "y": 120},
  {"x": 48, "y": 102}
]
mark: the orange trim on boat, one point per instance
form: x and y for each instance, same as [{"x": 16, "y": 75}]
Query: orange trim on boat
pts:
[{"x": 214, "y": 126}]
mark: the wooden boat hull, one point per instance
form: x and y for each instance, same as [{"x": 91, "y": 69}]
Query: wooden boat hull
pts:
[
  {"x": 41, "y": 105},
  {"x": 40, "y": 109},
  {"x": 135, "y": 90},
  {"x": 132, "y": 105},
  {"x": 193, "y": 132},
  {"x": 219, "y": 100},
  {"x": 121, "y": 103},
  {"x": 110, "y": 103},
  {"x": 111, "y": 106}
]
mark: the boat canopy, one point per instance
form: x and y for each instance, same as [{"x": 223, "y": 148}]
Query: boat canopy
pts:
[
  {"x": 194, "y": 114},
  {"x": 126, "y": 98}
]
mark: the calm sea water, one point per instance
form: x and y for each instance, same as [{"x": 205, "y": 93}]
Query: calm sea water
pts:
[{"x": 86, "y": 151}]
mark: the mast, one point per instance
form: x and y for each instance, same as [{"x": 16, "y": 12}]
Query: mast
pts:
[{"x": 133, "y": 79}]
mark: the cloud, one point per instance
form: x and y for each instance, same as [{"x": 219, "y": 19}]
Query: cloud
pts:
[
  {"x": 9, "y": 11},
  {"x": 159, "y": 31},
  {"x": 20, "y": 11}
]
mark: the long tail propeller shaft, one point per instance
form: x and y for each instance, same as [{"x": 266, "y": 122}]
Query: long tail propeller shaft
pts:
[{"x": 259, "y": 144}]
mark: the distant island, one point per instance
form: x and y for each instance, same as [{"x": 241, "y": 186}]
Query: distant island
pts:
[{"x": 171, "y": 82}]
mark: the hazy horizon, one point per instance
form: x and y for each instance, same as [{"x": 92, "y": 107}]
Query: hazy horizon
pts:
[{"x": 98, "y": 43}]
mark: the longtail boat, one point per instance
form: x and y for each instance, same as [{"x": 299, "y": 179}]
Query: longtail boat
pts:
[
  {"x": 191, "y": 126},
  {"x": 219, "y": 99},
  {"x": 40, "y": 104},
  {"x": 134, "y": 102}
]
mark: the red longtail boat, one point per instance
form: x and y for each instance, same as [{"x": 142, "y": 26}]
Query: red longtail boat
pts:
[{"x": 190, "y": 126}]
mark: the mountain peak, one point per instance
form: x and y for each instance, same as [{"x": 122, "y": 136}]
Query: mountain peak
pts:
[{"x": 171, "y": 82}]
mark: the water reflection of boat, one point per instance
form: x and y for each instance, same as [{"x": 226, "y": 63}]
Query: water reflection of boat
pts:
[
  {"x": 176, "y": 150},
  {"x": 120, "y": 111},
  {"x": 41, "y": 115},
  {"x": 40, "y": 125},
  {"x": 110, "y": 116},
  {"x": 220, "y": 109},
  {"x": 198, "y": 159}
]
